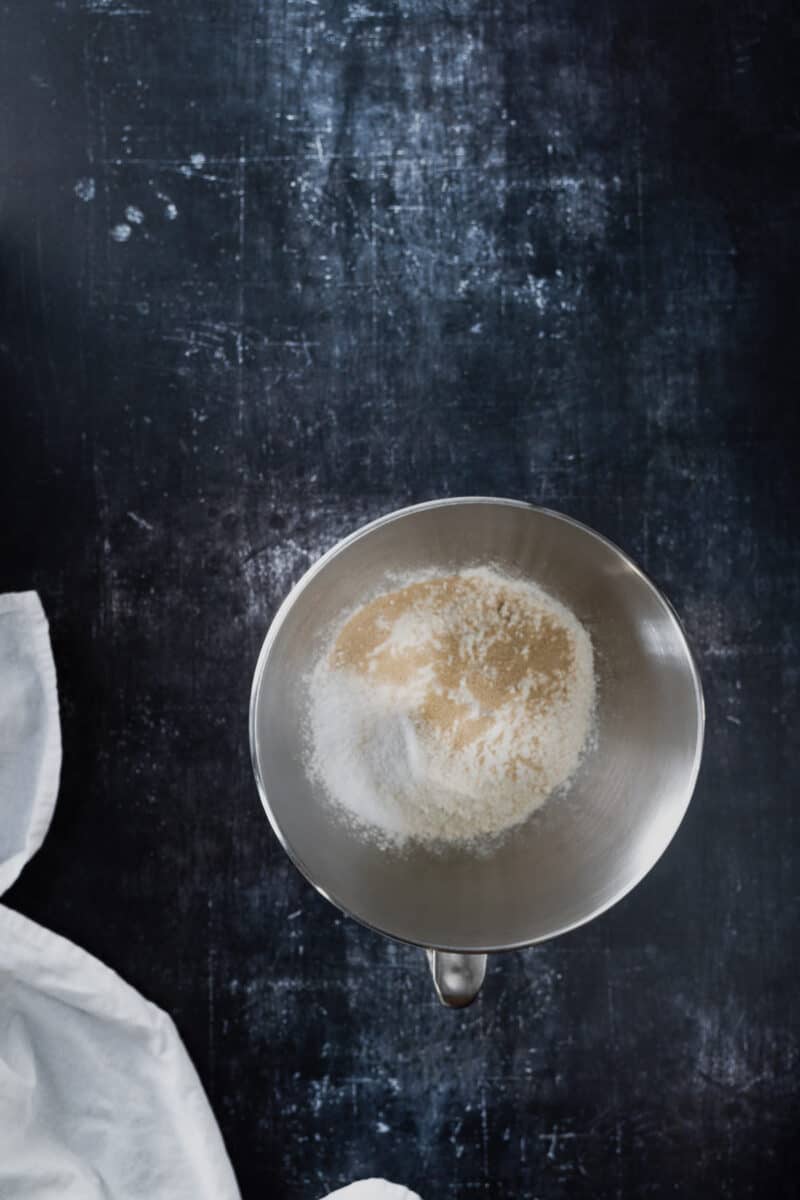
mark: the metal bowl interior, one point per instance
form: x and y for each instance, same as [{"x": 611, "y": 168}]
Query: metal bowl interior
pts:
[{"x": 587, "y": 846}]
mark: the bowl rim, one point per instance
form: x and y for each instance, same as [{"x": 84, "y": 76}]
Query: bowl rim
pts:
[{"x": 319, "y": 565}]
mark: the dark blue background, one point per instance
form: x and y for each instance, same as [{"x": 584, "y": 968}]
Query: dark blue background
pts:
[{"x": 270, "y": 270}]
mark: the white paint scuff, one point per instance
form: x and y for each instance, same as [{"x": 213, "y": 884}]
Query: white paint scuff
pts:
[{"x": 85, "y": 189}]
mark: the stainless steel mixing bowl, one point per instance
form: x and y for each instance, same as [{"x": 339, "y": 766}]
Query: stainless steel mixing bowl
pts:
[{"x": 584, "y": 849}]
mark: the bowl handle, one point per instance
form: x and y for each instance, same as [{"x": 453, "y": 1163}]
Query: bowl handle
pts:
[{"x": 456, "y": 977}]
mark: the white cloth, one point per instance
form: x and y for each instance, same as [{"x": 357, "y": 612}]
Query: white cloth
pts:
[
  {"x": 372, "y": 1189},
  {"x": 98, "y": 1098},
  {"x": 30, "y": 735}
]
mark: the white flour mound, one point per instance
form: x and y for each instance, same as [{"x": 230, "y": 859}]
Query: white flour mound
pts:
[{"x": 395, "y": 775}]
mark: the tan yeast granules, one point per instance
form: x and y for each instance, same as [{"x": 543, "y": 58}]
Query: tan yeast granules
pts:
[{"x": 450, "y": 708}]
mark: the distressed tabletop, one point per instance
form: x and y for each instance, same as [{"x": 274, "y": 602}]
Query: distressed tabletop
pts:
[{"x": 272, "y": 269}]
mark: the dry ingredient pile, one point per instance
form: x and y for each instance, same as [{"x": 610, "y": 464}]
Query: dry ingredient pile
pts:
[{"x": 449, "y": 709}]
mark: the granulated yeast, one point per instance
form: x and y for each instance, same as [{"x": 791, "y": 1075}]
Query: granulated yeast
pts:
[{"x": 451, "y": 707}]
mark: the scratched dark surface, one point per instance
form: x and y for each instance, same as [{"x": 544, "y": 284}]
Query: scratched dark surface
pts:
[{"x": 269, "y": 270}]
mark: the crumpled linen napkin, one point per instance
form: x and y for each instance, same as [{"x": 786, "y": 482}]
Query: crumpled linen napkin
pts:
[
  {"x": 98, "y": 1098},
  {"x": 30, "y": 734}
]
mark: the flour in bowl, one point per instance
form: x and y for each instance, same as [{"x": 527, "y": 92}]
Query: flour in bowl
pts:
[{"x": 450, "y": 708}]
